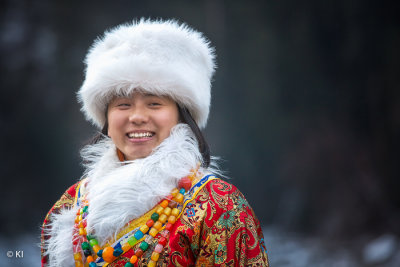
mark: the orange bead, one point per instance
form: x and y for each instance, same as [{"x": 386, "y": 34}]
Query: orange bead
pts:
[
  {"x": 77, "y": 219},
  {"x": 157, "y": 225},
  {"x": 89, "y": 259},
  {"x": 150, "y": 223},
  {"x": 175, "y": 212},
  {"x": 108, "y": 254},
  {"x": 163, "y": 218},
  {"x": 133, "y": 259},
  {"x": 164, "y": 203},
  {"x": 172, "y": 219},
  {"x": 126, "y": 247}
]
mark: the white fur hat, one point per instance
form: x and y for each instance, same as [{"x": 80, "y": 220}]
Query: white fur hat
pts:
[{"x": 158, "y": 57}]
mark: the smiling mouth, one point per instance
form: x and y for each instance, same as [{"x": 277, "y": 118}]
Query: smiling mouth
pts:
[{"x": 140, "y": 135}]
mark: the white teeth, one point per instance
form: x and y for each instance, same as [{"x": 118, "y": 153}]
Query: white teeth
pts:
[{"x": 140, "y": 135}]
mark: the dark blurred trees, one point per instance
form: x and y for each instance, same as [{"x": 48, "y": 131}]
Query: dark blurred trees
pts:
[{"x": 305, "y": 111}]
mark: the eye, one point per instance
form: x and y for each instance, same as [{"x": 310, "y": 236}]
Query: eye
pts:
[
  {"x": 123, "y": 105},
  {"x": 153, "y": 104}
]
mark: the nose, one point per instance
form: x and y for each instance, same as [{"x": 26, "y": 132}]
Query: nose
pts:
[{"x": 138, "y": 116}]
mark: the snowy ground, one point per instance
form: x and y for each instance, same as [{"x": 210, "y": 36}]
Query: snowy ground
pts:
[{"x": 284, "y": 250}]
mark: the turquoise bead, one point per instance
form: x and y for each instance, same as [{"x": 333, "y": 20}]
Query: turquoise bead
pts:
[
  {"x": 85, "y": 209},
  {"x": 100, "y": 253},
  {"x": 155, "y": 216},
  {"x": 128, "y": 264},
  {"x": 117, "y": 252},
  {"x": 93, "y": 242},
  {"x": 138, "y": 235},
  {"x": 85, "y": 245},
  {"x": 182, "y": 191},
  {"x": 92, "y": 264},
  {"x": 143, "y": 246}
]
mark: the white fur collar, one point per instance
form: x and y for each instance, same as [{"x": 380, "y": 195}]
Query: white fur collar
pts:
[{"x": 121, "y": 192}]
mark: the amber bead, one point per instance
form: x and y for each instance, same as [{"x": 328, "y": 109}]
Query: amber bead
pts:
[
  {"x": 160, "y": 210},
  {"x": 163, "y": 218},
  {"x": 172, "y": 219},
  {"x": 144, "y": 228},
  {"x": 126, "y": 247},
  {"x": 152, "y": 264},
  {"x": 157, "y": 225},
  {"x": 179, "y": 198},
  {"x": 153, "y": 232},
  {"x": 77, "y": 256},
  {"x": 78, "y": 264},
  {"x": 155, "y": 256},
  {"x": 96, "y": 248},
  {"x": 175, "y": 192},
  {"x": 167, "y": 211},
  {"x": 175, "y": 212}
]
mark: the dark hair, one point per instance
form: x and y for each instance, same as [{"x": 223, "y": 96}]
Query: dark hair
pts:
[
  {"x": 184, "y": 117},
  {"x": 187, "y": 118}
]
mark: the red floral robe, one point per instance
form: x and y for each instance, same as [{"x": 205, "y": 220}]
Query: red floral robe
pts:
[{"x": 217, "y": 228}]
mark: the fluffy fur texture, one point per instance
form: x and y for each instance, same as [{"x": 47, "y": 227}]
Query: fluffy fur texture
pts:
[
  {"x": 119, "y": 192},
  {"x": 157, "y": 57},
  {"x": 59, "y": 245}
]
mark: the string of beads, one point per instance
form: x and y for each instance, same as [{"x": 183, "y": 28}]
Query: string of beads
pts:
[{"x": 86, "y": 248}]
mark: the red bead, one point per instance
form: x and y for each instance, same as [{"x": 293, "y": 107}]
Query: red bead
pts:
[
  {"x": 185, "y": 183},
  {"x": 139, "y": 253},
  {"x": 168, "y": 226},
  {"x": 150, "y": 223},
  {"x": 162, "y": 241}
]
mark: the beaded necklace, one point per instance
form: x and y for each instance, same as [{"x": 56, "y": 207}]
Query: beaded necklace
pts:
[{"x": 86, "y": 247}]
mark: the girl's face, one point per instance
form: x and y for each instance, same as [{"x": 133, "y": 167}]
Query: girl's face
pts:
[{"x": 139, "y": 123}]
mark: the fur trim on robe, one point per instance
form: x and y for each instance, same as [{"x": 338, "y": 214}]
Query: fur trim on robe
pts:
[{"x": 119, "y": 192}]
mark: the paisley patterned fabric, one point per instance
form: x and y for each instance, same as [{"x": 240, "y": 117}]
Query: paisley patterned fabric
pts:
[{"x": 217, "y": 228}]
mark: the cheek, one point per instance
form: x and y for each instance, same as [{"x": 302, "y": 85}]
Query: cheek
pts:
[
  {"x": 114, "y": 123},
  {"x": 168, "y": 120}
]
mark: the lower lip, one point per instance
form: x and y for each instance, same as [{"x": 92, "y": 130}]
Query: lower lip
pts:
[{"x": 140, "y": 140}]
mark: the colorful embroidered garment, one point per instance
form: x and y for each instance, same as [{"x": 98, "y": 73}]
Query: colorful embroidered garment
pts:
[{"x": 217, "y": 228}]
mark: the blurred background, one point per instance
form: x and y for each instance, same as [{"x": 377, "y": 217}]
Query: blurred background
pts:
[{"x": 305, "y": 115}]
